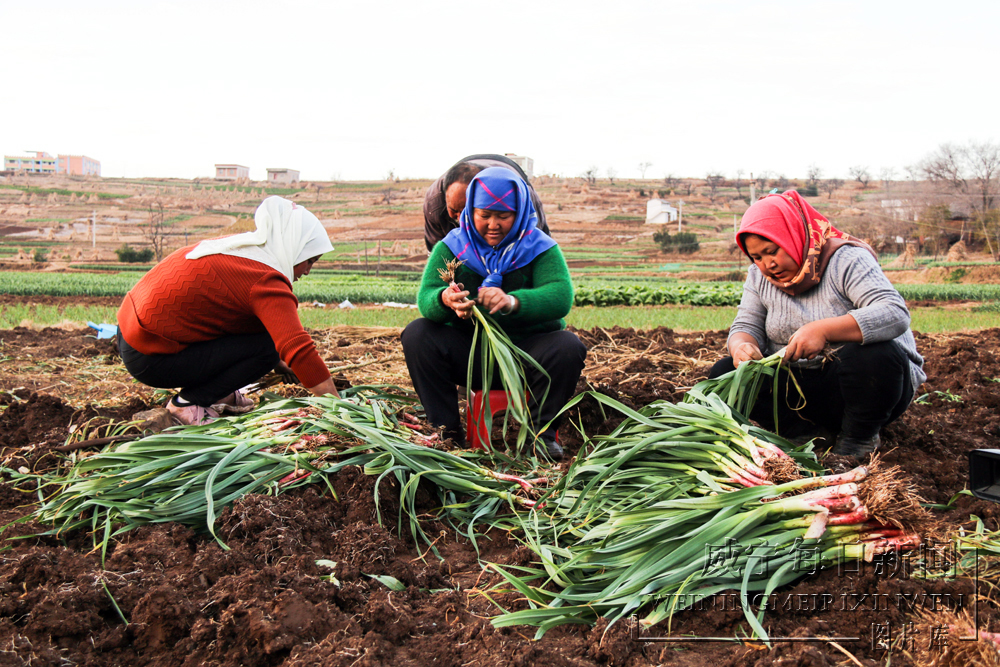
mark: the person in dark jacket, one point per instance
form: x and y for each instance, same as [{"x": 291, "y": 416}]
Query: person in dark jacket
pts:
[
  {"x": 516, "y": 274},
  {"x": 445, "y": 198}
]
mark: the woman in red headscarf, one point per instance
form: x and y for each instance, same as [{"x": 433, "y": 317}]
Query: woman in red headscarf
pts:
[{"x": 812, "y": 287}]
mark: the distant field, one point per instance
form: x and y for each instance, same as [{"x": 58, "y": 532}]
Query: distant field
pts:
[{"x": 687, "y": 318}]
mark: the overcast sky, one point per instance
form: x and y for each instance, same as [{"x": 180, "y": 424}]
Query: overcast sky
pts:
[{"x": 350, "y": 90}]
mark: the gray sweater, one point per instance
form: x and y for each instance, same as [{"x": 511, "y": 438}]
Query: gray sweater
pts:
[{"x": 852, "y": 283}]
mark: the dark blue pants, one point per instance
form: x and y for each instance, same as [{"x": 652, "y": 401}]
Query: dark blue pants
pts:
[
  {"x": 206, "y": 372},
  {"x": 857, "y": 393},
  {"x": 437, "y": 357}
]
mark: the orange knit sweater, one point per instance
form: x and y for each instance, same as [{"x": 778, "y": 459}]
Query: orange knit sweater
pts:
[{"x": 183, "y": 301}]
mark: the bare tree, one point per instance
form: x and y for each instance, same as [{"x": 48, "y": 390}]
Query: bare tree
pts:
[
  {"x": 643, "y": 166},
  {"x": 761, "y": 179},
  {"x": 813, "y": 174},
  {"x": 387, "y": 194},
  {"x": 612, "y": 172},
  {"x": 688, "y": 187},
  {"x": 861, "y": 175},
  {"x": 970, "y": 171},
  {"x": 831, "y": 185},
  {"x": 887, "y": 175},
  {"x": 738, "y": 182},
  {"x": 391, "y": 174},
  {"x": 590, "y": 176},
  {"x": 670, "y": 181},
  {"x": 714, "y": 180},
  {"x": 781, "y": 182},
  {"x": 155, "y": 229}
]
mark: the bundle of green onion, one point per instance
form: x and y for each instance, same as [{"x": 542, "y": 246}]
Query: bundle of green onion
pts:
[
  {"x": 740, "y": 388},
  {"x": 188, "y": 475},
  {"x": 653, "y": 516},
  {"x": 500, "y": 352}
]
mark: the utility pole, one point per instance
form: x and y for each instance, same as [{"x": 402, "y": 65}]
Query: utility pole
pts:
[
  {"x": 680, "y": 214},
  {"x": 753, "y": 190},
  {"x": 366, "y": 257}
]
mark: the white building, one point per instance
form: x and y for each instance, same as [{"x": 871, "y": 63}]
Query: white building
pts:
[
  {"x": 660, "y": 212},
  {"x": 526, "y": 164},
  {"x": 276, "y": 175},
  {"x": 231, "y": 172}
]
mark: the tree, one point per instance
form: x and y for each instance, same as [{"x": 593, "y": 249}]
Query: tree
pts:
[
  {"x": 781, "y": 182},
  {"x": 612, "y": 172},
  {"x": 813, "y": 173},
  {"x": 971, "y": 172},
  {"x": 590, "y": 176},
  {"x": 682, "y": 242},
  {"x": 738, "y": 182},
  {"x": 643, "y": 166},
  {"x": 670, "y": 181},
  {"x": 387, "y": 194},
  {"x": 831, "y": 185},
  {"x": 861, "y": 175},
  {"x": 155, "y": 229},
  {"x": 390, "y": 175},
  {"x": 714, "y": 180},
  {"x": 887, "y": 175},
  {"x": 762, "y": 180}
]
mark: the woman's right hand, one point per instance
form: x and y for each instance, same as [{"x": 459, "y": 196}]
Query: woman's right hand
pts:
[
  {"x": 745, "y": 351},
  {"x": 457, "y": 298}
]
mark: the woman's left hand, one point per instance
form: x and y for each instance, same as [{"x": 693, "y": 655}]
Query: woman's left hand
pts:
[
  {"x": 493, "y": 299},
  {"x": 807, "y": 342}
]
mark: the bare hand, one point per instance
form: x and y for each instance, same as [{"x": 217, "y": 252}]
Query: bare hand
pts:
[
  {"x": 807, "y": 342},
  {"x": 286, "y": 373},
  {"x": 457, "y": 298},
  {"x": 493, "y": 299},
  {"x": 746, "y": 351}
]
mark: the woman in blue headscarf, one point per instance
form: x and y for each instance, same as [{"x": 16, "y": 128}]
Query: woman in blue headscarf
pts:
[{"x": 514, "y": 272}]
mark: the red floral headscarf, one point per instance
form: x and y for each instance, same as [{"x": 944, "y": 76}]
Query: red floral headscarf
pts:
[{"x": 792, "y": 223}]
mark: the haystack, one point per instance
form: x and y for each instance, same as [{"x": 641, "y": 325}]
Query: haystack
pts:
[
  {"x": 905, "y": 261},
  {"x": 957, "y": 252}
]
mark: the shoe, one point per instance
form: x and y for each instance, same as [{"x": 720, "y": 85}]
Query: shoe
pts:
[
  {"x": 552, "y": 448},
  {"x": 856, "y": 447},
  {"x": 191, "y": 415},
  {"x": 235, "y": 404}
]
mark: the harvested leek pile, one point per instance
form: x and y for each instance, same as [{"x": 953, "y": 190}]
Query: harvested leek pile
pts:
[
  {"x": 188, "y": 475},
  {"x": 682, "y": 502}
]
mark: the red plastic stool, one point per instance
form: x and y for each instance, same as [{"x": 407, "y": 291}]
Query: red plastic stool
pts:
[{"x": 476, "y": 430}]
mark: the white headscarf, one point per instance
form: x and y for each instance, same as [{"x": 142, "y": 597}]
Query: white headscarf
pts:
[{"x": 286, "y": 235}]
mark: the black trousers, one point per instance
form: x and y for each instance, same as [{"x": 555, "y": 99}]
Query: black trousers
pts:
[
  {"x": 864, "y": 388},
  {"x": 206, "y": 372},
  {"x": 437, "y": 357}
]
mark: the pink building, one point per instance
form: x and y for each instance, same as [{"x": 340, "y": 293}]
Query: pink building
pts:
[
  {"x": 78, "y": 165},
  {"x": 231, "y": 172},
  {"x": 41, "y": 163}
]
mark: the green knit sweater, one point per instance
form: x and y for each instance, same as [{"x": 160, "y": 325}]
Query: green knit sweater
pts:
[{"x": 543, "y": 288}]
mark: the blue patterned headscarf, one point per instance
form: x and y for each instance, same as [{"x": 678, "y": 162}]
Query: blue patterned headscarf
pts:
[{"x": 498, "y": 189}]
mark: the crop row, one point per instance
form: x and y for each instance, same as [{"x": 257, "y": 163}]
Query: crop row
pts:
[
  {"x": 693, "y": 294},
  {"x": 333, "y": 288}
]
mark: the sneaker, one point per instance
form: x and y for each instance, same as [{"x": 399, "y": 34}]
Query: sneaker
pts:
[
  {"x": 191, "y": 415},
  {"x": 235, "y": 404},
  {"x": 552, "y": 448},
  {"x": 856, "y": 447}
]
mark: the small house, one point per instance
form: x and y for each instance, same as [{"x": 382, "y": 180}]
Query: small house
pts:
[
  {"x": 282, "y": 176},
  {"x": 231, "y": 172},
  {"x": 660, "y": 212}
]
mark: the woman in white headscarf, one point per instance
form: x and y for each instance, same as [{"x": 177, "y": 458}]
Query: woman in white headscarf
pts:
[{"x": 219, "y": 315}]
